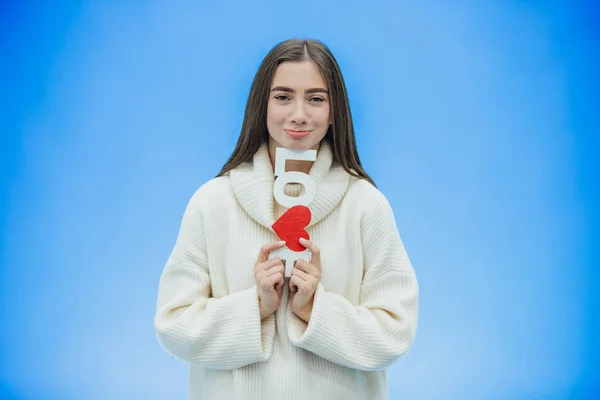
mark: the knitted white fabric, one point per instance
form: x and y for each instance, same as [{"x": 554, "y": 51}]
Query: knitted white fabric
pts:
[{"x": 365, "y": 308}]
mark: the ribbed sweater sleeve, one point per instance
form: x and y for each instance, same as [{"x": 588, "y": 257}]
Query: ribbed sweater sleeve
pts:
[
  {"x": 380, "y": 329},
  {"x": 192, "y": 326}
]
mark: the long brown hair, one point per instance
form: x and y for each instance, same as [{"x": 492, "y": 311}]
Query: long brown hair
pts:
[{"x": 340, "y": 134}]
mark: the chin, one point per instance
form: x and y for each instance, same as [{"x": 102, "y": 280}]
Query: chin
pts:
[
  {"x": 305, "y": 143},
  {"x": 298, "y": 145}
]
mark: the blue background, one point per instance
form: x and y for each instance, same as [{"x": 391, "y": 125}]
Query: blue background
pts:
[{"x": 477, "y": 119}]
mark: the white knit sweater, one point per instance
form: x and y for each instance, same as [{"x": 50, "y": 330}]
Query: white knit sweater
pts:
[{"x": 365, "y": 309}]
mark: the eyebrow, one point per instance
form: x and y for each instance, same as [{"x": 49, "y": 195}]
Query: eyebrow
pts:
[{"x": 290, "y": 90}]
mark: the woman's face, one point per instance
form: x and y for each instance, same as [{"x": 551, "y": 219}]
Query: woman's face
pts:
[{"x": 298, "y": 111}]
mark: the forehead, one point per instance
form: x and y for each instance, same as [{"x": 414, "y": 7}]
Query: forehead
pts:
[{"x": 298, "y": 75}]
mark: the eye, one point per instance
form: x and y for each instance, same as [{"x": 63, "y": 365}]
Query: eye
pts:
[
  {"x": 317, "y": 99},
  {"x": 281, "y": 97}
]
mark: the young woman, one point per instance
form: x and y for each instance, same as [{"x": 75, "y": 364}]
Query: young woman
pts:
[{"x": 331, "y": 329}]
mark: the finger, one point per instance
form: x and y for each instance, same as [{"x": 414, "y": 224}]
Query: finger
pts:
[
  {"x": 278, "y": 269},
  {"x": 279, "y": 281},
  {"x": 263, "y": 254},
  {"x": 309, "y": 268},
  {"x": 296, "y": 282},
  {"x": 265, "y": 266},
  {"x": 273, "y": 280},
  {"x": 292, "y": 285},
  {"x": 314, "y": 251},
  {"x": 301, "y": 274}
]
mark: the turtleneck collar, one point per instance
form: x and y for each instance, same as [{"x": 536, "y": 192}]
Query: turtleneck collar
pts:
[{"x": 252, "y": 184}]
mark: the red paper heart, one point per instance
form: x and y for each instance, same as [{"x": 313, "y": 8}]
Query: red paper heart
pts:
[{"x": 290, "y": 227}]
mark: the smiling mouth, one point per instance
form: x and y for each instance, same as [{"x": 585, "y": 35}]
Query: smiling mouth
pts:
[{"x": 296, "y": 134}]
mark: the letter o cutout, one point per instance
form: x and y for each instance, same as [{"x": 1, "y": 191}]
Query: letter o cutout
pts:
[{"x": 294, "y": 177}]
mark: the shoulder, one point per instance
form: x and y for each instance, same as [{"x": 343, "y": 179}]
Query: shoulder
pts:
[
  {"x": 366, "y": 198},
  {"x": 375, "y": 215},
  {"x": 210, "y": 194}
]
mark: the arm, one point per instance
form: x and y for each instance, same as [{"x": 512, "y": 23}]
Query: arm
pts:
[
  {"x": 192, "y": 326},
  {"x": 381, "y": 328}
]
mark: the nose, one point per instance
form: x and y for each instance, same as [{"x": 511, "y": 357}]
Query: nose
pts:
[{"x": 299, "y": 116}]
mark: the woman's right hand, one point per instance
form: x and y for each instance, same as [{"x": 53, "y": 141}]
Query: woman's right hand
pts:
[{"x": 269, "y": 275}]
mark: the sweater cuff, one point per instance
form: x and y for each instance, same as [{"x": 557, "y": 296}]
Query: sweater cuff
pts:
[
  {"x": 300, "y": 332},
  {"x": 259, "y": 335}
]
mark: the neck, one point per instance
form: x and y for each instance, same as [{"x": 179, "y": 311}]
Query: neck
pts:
[{"x": 292, "y": 165}]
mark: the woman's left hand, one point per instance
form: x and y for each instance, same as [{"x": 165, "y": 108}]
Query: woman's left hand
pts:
[{"x": 304, "y": 280}]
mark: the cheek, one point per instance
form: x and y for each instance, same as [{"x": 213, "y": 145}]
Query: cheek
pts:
[
  {"x": 323, "y": 116},
  {"x": 275, "y": 115}
]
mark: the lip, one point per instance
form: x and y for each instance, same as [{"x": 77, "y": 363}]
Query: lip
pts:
[{"x": 296, "y": 134}]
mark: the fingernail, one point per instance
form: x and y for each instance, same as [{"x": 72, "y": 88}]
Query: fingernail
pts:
[
  {"x": 302, "y": 240},
  {"x": 282, "y": 242}
]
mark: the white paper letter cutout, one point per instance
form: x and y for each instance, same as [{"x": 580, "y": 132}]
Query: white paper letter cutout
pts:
[{"x": 283, "y": 178}]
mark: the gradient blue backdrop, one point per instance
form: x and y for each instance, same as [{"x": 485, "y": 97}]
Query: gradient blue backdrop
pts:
[{"x": 477, "y": 119}]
